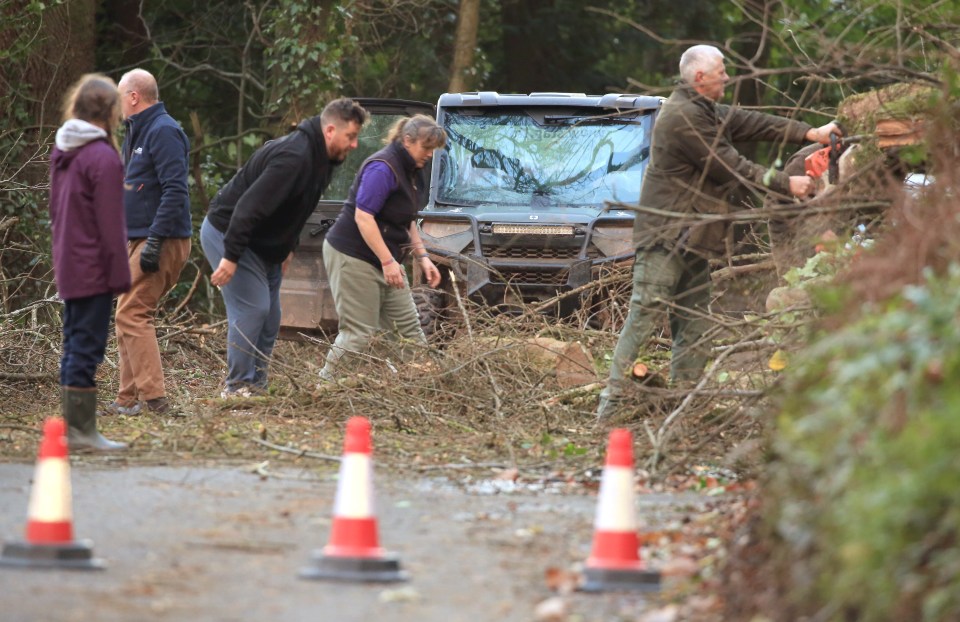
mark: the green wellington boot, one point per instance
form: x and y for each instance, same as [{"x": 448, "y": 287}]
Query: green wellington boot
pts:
[{"x": 80, "y": 413}]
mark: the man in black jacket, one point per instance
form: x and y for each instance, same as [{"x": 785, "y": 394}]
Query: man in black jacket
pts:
[{"x": 254, "y": 224}]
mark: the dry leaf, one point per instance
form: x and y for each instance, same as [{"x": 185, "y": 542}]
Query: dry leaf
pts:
[
  {"x": 679, "y": 567},
  {"x": 670, "y": 613},
  {"x": 562, "y": 581},
  {"x": 403, "y": 594},
  {"x": 551, "y": 610},
  {"x": 778, "y": 362}
]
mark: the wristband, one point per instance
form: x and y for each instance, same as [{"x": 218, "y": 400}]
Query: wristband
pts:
[
  {"x": 423, "y": 256},
  {"x": 387, "y": 263}
]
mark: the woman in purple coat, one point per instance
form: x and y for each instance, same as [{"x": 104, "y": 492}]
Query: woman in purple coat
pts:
[{"x": 89, "y": 246}]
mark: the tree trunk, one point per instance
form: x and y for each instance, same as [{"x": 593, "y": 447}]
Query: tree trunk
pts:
[
  {"x": 464, "y": 46},
  {"x": 49, "y": 51},
  {"x": 67, "y": 53}
]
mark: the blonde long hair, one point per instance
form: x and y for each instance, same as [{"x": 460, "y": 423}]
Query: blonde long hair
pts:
[
  {"x": 419, "y": 128},
  {"x": 94, "y": 98}
]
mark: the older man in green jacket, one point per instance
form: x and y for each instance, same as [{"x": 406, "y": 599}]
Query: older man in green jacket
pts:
[{"x": 694, "y": 168}]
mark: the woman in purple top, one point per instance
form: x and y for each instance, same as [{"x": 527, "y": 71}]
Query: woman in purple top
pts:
[
  {"x": 89, "y": 246},
  {"x": 364, "y": 250}
]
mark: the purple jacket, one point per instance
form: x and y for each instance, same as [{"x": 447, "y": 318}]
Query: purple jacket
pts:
[{"x": 86, "y": 214}]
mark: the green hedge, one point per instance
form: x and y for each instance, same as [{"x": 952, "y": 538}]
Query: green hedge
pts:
[{"x": 864, "y": 489}]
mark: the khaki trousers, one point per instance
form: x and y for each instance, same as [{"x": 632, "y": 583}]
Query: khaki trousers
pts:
[
  {"x": 141, "y": 373},
  {"x": 366, "y": 305}
]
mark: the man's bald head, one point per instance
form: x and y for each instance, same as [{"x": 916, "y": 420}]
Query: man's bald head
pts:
[{"x": 138, "y": 91}]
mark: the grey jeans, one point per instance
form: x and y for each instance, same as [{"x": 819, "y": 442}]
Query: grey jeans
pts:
[
  {"x": 252, "y": 298},
  {"x": 660, "y": 277},
  {"x": 366, "y": 305}
]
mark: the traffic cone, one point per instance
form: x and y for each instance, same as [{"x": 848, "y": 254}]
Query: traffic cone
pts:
[
  {"x": 614, "y": 562},
  {"x": 353, "y": 552},
  {"x": 49, "y": 542}
]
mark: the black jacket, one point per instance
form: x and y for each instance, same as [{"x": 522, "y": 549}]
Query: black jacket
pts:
[
  {"x": 267, "y": 203},
  {"x": 393, "y": 220}
]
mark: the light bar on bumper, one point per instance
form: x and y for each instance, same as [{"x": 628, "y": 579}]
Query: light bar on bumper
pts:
[{"x": 533, "y": 229}]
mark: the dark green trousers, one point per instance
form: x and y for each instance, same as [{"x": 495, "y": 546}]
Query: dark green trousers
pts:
[{"x": 671, "y": 282}]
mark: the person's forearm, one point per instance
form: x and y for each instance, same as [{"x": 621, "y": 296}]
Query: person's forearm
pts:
[
  {"x": 416, "y": 243},
  {"x": 370, "y": 233}
]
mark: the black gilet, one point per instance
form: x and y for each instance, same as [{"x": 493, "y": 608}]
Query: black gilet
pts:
[{"x": 393, "y": 221}]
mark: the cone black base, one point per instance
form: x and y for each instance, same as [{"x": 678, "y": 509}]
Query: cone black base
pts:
[
  {"x": 76, "y": 555},
  {"x": 366, "y": 569},
  {"x": 609, "y": 580}
]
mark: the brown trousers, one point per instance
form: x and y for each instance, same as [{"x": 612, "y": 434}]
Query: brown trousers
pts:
[{"x": 141, "y": 373}]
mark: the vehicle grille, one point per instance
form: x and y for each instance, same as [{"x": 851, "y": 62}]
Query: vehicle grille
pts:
[
  {"x": 530, "y": 277},
  {"x": 531, "y": 252}
]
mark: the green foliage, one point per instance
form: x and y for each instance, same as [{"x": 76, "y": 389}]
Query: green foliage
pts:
[
  {"x": 555, "y": 447},
  {"x": 304, "y": 58},
  {"x": 865, "y": 489}
]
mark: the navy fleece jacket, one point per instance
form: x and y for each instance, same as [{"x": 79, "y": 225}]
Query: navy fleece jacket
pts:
[{"x": 155, "y": 196}]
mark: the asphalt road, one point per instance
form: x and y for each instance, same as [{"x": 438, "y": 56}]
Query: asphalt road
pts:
[{"x": 225, "y": 544}]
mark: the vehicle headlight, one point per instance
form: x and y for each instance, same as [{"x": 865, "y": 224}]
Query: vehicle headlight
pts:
[
  {"x": 613, "y": 240},
  {"x": 443, "y": 228}
]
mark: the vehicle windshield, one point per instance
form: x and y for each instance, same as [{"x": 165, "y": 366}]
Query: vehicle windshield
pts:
[{"x": 526, "y": 157}]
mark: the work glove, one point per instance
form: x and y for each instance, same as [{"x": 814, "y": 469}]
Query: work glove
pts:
[{"x": 150, "y": 255}]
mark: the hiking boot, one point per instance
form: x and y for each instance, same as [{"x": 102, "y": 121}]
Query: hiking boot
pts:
[
  {"x": 114, "y": 408},
  {"x": 158, "y": 405}
]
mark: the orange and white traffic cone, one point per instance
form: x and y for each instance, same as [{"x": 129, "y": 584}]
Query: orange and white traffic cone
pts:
[
  {"x": 49, "y": 542},
  {"x": 614, "y": 562},
  {"x": 353, "y": 552}
]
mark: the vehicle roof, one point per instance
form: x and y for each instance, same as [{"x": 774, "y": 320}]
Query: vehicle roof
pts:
[{"x": 492, "y": 98}]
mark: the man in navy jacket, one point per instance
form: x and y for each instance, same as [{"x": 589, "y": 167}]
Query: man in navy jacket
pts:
[{"x": 157, "y": 208}]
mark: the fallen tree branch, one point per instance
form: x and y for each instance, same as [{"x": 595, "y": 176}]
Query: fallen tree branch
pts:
[
  {"x": 570, "y": 393},
  {"x": 497, "y": 402},
  {"x": 297, "y": 452},
  {"x": 193, "y": 330},
  {"x": 8, "y": 375},
  {"x": 663, "y": 434},
  {"x": 22, "y": 428},
  {"x": 732, "y": 271},
  {"x": 190, "y": 292}
]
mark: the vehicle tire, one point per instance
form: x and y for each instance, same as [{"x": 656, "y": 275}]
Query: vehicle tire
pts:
[{"x": 431, "y": 305}]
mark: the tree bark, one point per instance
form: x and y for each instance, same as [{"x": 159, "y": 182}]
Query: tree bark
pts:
[
  {"x": 464, "y": 46},
  {"x": 61, "y": 52}
]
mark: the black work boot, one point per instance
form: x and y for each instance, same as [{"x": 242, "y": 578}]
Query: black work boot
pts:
[{"x": 80, "y": 413}]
